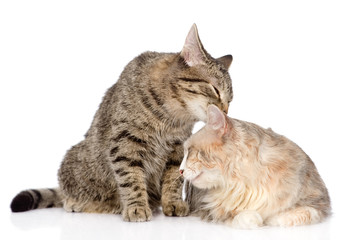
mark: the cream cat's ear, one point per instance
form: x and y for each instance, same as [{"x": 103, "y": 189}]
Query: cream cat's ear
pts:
[
  {"x": 193, "y": 52},
  {"x": 216, "y": 119}
]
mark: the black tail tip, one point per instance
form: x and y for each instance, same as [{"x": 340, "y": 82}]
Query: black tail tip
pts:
[{"x": 22, "y": 202}]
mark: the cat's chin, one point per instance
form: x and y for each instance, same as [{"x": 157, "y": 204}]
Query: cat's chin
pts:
[
  {"x": 196, "y": 181},
  {"x": 204, "y": 185},
  {"x": 197, "y": 177},
  {"x": 199, "y": 110},
  {"x": 192, "y": 178},
  {"x": 201, "y": 183}
]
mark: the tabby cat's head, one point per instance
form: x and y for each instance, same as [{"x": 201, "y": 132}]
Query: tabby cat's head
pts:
[{"x": 199, "y": 80}]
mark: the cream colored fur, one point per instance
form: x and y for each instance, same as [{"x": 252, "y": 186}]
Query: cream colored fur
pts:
[{"x": 253, "y": 176}]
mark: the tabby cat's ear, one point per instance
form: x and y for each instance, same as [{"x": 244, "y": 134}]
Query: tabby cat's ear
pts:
[
  {"x": 226, "y": 61},
  {"x": 216, "y": 119},
  {"x": 193, "y": 52}
]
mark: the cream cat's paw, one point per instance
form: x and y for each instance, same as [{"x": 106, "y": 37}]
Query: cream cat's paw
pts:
[
  {"x": 137, "y": 214},
  {"x": 175, "y": 208},
  {"x": 295, "y": 217},
  {"x": 247, "y": 220}
]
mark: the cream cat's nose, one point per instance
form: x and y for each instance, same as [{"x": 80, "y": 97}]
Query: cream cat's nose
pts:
[{"x": 181, "y": 171}]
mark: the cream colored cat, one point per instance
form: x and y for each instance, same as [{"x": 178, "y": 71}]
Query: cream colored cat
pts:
[{"x": 247, "y": 176}]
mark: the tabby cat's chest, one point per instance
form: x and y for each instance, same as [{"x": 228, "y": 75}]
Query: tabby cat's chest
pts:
[{"x": 165, "y": 146}]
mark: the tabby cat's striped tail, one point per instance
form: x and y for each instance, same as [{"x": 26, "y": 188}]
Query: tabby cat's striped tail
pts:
[{"x": 36, "y": 198}]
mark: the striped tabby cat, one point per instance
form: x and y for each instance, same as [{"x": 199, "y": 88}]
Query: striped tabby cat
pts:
[{"x": 128, "y": 162}]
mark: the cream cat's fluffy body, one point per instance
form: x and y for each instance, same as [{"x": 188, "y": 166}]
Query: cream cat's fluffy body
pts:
[{"x": 247, "y": 176}]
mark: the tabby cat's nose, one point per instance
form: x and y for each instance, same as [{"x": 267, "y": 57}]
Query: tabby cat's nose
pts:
[
  {"x": 226, "y": 109},
  {"x": 181, "y": 171}
]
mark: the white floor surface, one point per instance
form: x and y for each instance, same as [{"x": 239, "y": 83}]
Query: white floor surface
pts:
[{"x": 57, "y": 224}]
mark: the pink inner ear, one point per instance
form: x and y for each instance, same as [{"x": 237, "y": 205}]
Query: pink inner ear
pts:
[
  {"x": 192, "y": 52},
  {"x": 216, "y": 119}
]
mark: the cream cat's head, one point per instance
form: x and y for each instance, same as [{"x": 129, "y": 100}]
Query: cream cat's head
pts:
[{"x": 208, "y": 154}]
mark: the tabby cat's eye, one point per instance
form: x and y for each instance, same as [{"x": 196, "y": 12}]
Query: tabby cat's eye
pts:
[{"x": 217, "y": 92}]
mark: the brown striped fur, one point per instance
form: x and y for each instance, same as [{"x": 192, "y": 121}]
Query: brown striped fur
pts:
[
  {"x": 128, "y": 162},
  {"x": 247, "y": 176},
  {"x": 36, "y": 198}
]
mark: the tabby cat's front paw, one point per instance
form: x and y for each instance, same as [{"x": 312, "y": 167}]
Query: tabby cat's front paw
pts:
[
  {"x": 175, "y": 208},
  {"x": 137, "y": 214}
]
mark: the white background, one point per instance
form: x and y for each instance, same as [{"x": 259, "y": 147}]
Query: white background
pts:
[{"x": 291, "y": 71}]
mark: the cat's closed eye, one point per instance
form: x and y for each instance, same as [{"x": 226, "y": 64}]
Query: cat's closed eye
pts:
[
  {"x": 204, "y": 85},
  {"x": 201, "y": 155},
  {"x": 204, "y": 159},
  {"x": 217, "y": 92}
]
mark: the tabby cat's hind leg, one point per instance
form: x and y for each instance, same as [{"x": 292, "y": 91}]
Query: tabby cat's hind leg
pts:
[{"x": 295, "y": 217}]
